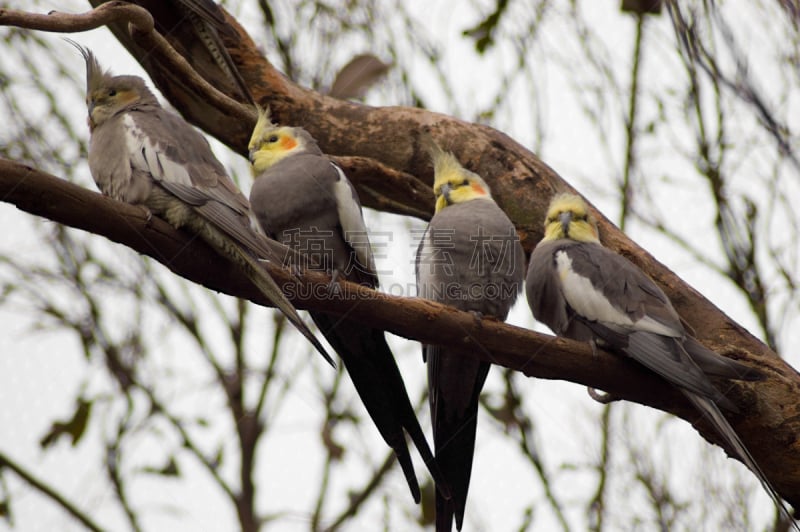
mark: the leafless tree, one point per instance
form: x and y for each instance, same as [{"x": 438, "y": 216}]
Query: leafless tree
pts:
[{"x": 685, "y": 131}]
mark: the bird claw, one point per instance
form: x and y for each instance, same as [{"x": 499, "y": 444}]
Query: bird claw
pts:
[
  {"x": 596, "y": 344},
  {"x": 601, "y": 397},
  {"x": 295, "y": 271},
  {"x": 148, "y": 215}
]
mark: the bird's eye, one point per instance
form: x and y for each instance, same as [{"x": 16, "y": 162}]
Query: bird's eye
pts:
[
  {"x": 273, "y": 138},
  {"x": 464, "y": 183},
  {"x": 112, "y": 92}
]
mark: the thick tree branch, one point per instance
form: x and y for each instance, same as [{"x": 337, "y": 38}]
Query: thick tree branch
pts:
[
  {"x": 385, "y": 143},
  {"x": 762, "y": 425}
]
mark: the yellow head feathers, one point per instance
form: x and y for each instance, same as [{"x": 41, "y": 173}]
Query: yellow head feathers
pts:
[
  {"x": 270, "y": 143},
  {"x": 452, "y": 182},
  {"x": 568, "y": 217}
]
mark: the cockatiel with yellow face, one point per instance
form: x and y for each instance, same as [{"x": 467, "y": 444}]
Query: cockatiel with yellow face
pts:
[
  {"x": 303, "y": 199},
  {"x": 469, "y": 258},
  {"x": 140, "y": 153},
  {"x": 584, "y": 291}
]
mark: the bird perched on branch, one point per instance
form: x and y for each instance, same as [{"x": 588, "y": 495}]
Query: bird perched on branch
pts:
[
  {"x": 469, "y": 258},
  {"x": 303, "y": 199},
  {"x": 586, "y": 292},
  {"x": 144, "y": 155}
]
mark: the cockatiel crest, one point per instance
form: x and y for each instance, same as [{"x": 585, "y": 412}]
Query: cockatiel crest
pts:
[
  {"x": 96, "y": 77},
  {"x": 271, "y": 143},
  {"x": 569, "y": 217},
  {"x": 106, "y": 94},
  {"x": 453, "y": 183}
]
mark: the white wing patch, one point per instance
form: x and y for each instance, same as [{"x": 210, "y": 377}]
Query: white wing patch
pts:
[
  {"x": 650, "y": 325},
  {"x": 352, "y": 221},
  {"x": 582, "y": 296},
  {"x": 145, "y": 156},
  {"x": 592, "y": 304}
]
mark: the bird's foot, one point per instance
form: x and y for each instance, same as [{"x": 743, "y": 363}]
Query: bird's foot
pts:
[
  {"x": 601, "y": 397},
  {"x": 596, "y": 344},
  {"x": 148, "y": 215},
  {"x": 295, "y": 270}
]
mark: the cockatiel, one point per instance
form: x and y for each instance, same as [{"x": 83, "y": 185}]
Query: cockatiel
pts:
[
  {"x": 469, "y": 258},
  {"x": 303, "y": 199},
  {"x": 584, "y": 291},
  {"x": 142, "y": 154}
]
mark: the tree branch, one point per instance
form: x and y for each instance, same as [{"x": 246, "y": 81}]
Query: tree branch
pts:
[
  {"x": 765, "y": 425},
  {"x": 386, "y": 142},
  {"x": 141, "y": 26}
]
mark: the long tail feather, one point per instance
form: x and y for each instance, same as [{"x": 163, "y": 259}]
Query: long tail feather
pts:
[
  {"x": 414, "y": 430},
  {"x": 255, "y": 272},
  {"x": 712, "y": 412}
]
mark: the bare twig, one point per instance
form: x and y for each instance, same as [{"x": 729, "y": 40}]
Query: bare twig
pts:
[
  {"x": 72, "y": 23},
  {"x": 49, "y": 492},
  {"x": 358, "y": 499},
  {"x": 142, "y": 29}
]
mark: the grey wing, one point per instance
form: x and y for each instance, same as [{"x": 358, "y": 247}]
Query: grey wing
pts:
[
  {"x": 652, "y": 333},
  {"x": 179, "y": 159},
  {"x": 423, "y": 269},
  {"x": 351, "y": 219},
  {"x": 667, "y": 357},
  {"x": 643, "y": 305},
  {"x": 542, "y": 288},
  {"x": 506, "y": 264},
  {"x": 426, "y": 280}
]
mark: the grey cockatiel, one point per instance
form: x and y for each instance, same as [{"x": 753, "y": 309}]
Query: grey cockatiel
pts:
[
  {"x": 586, "y": 292},
  {"x": 141, "y": 154},
  {"x": 318, "y": 213},
  {"x": 469, "y": 258}
]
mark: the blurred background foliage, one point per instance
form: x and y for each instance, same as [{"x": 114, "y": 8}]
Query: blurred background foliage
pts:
[{"x": 134, "y": 400}]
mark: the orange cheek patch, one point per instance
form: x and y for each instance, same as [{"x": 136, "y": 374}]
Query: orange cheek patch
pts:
[
  {"x": 476, "y": 188},
  {"x": 127, "y": 96},
  {"x": 287, "y": 143}
]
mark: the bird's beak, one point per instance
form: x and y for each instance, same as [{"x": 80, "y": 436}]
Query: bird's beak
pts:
[
  {"x": 251, "y": 155},
  {"x": 566, "y": 219},
  {"x": 90, "y": 118},
  {"x": 444, "y": 190}
]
